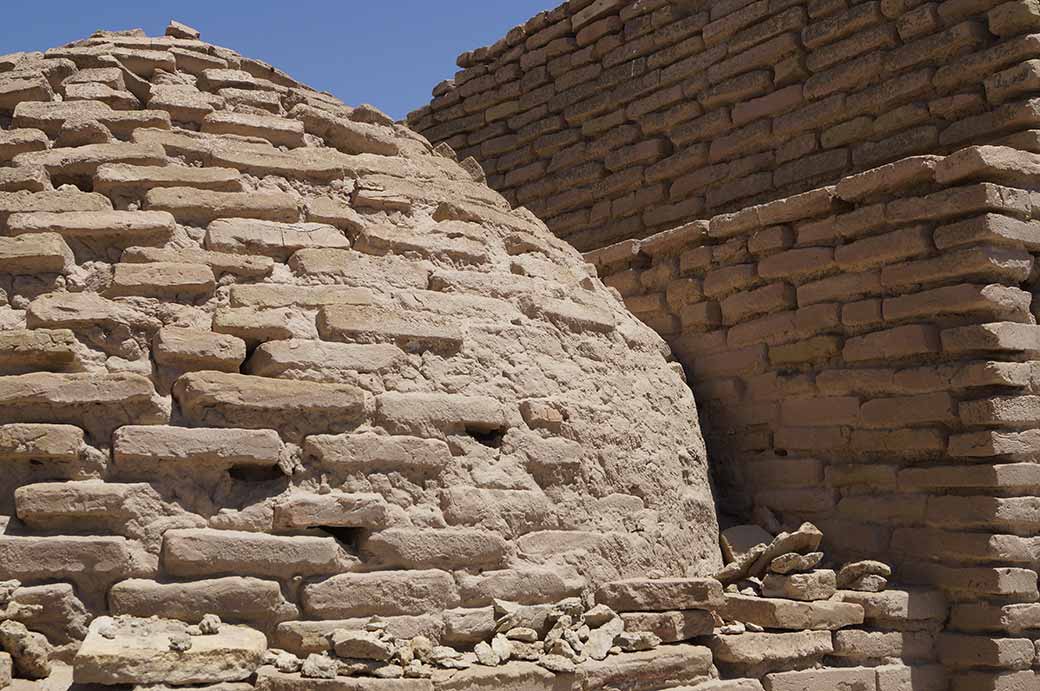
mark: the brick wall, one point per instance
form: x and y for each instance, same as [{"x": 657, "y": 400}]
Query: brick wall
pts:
[
  {"x": 863, "y": 357},
  {"x": 616, "y": 119}
]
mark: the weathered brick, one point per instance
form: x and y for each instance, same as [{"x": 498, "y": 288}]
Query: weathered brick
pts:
[{"x": 897, "y": 343}]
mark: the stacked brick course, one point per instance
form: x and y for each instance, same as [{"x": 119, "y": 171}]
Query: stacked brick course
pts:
[
  {"x": 615, "y": 119},
  {"x": 863, "y": 356}
]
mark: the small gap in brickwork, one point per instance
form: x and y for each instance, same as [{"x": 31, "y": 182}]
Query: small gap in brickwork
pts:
[
  {"x": 490, "y": 438},
  {"x": 348, "y": 538},
  {"x": 256, "y": 475}
]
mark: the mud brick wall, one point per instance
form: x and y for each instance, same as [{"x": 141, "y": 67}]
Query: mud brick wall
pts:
[
  {"x": 616, "y": 119},
  {"x": 270, "y": 357},
  {"x": 863, "y": 357}
]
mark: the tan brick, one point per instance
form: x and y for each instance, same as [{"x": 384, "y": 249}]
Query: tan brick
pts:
[
  {"x": 877, "y": 38},
  {"x": 991, "y": 443},
  {"x": 167, "y": 280},
  {"x": 853, "y": 678},
  {"x": 888, "y": 248},
  {"x": 1002, "y": 264},
  {"x": 219, "y": 399},
  {"x": 1012, "y": 18},
  {"x": 997, "y": 302},
  {"x": 200, "y": 207},
  {"x": 770, "y": 298},
  {"x": 39, "y": 253},
  {"x": 1000, "y": 411},
  {"x": 892, "y": 344},
  {"x": 963, "y": 651},
  {"x": 208, "y": 553},
  {"x": 748, "y": 360},
  {"x": 908, "y": 410},
  {"x": 998, "y": 336},
  {"x": 900, "y": 442},
  {"x": 989, "y": 229},
  {"x": 937, "y": 48},
  {"x": 816, "y": 349},
  {"x": 797, "y": 263},
  {"x": 1021, "y": 79},
  {"x": 726, "y": 280},
  {"x": 197, "y": 349},
  {"x": 841, "y": 287}
]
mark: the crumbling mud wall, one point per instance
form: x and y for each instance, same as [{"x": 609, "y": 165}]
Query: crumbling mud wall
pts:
[
  {"x": 272, "y": 358},
  {"x": 616, "y": 119},
  {"x": 864, "y": 358}
]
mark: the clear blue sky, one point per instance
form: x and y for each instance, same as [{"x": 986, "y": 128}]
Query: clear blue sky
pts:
[{"x": 389, "y": 53}]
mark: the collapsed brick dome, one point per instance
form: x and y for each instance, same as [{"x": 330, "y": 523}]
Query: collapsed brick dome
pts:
[{"x": 271, "y": 357}]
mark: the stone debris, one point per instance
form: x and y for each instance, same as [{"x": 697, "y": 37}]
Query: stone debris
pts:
[
  {"x": 130, "y": 650},
  {"x": 29, "y": 651}
]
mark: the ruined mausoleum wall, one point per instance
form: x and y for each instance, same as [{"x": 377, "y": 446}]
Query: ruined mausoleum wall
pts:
[
  {"x": 864, "y": 357},
  {"x": 616, "y": 119},
  {"x": 273, "y": 358}
]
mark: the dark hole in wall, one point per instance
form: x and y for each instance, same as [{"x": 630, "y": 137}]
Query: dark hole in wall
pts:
[
  {"x": 348, "y": 538},
  {"x": 256, "y": 475},
  {"x": 488, "y": 437}
]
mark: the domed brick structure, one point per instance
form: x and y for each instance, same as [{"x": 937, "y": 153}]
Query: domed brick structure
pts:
[{"x": 273, "y": 358}]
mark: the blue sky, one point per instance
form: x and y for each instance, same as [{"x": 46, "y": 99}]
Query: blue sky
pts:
[{"x": 389, "y": 53}]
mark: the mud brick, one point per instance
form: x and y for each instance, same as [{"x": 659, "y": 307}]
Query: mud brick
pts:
[
  {"x": 771, "y": 240},
  {"x": 908, "y": 410},
  {"x": 771, "y": 298},
  {"x": 28, "y": 441},
  {"x": 19, "y": 141},
  {"x": 729, "y": 279},
  {"x": 202, "y": 206},
  {"x": 841, "y": 25},
  {"x": 1001, "y": 264},
  {"x": 764, "y": 54},
  {"x": 196, "y": 349},
  {"x": 797, "y": 263},
  {"x": 961, "y": 651},
  {"x": 989, "y": 229},
  {"x": 816, "y": 349},
  {"x": 117, "y": 178},
  {"x": 861, "y": 677},
  {"x": 992, "y": 302},
  {"x": 35, "y": 253},
  {"x": 36, "y": 349},
  {"x": 997, "y": 336},
  {"x": 660, "y": 595},
  {"x": 990, "y": 163},
  {"x": 1012, "y": 18},
  {"x": 247, "y": 600},
  {"x": 204, "y": 552},
  {"x": 877, "y": 38},
  {"x": 814, "y": 115},
  {"x": 725, "y": 25},
  {"x": 162, "y": 279},
  {"x": 900, "y": 342},
  {"x": 232, "y": 400},
  {"x": 846, "y": 76},
  {"x": 980, "y": 64},
  {"x": 888, "y": 248},
  {"x": 771, "y": 648},
  {"x": 1019, "y": 80},
  {"x": 1010, "y": 116},
  {"x": 388, "y": 593},
  {"x": 737, "y": 89},
  {"x": 937, "y": 48}
]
